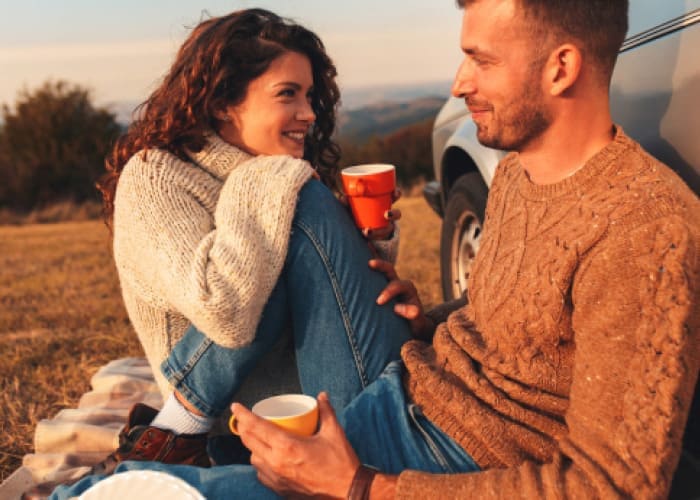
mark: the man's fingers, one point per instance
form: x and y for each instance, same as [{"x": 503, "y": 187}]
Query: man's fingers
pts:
[
  {"x": 384, "y": 267},
  {"x": 256, "y": 433},
  {"x": 327, "y": 418},
  {"x": 392, "y": 290},
  {"x": 408, "y": 311},
  {"x": 265, "y": 477},
  {"x": 395, "y": 288}
]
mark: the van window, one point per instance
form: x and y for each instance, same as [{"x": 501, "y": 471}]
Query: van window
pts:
[{"x": 646, "y": 14}]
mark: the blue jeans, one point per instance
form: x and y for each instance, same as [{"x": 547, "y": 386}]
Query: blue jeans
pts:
[
  {"x": 343, "y": 343},
  {"x": 326, "y": 292},
  {"x": 385, "y": 429}
]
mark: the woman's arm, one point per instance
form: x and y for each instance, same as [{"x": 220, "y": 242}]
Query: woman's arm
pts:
[{"x": 219, "y": 270}]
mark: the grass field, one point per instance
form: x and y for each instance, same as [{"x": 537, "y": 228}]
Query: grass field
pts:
[{"x": 61, "y": 314}]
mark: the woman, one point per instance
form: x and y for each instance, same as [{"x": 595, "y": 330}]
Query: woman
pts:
[{"x": 222, "y": 236}]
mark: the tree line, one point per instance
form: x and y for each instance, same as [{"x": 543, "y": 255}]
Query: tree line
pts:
[
  {"x": 54, "y": 141},
  {"x": 52, "y": 146},
  {"x": 409, "y": 149}
]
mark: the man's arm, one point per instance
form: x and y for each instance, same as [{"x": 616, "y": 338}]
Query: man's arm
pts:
[
  {"x": 635, "y": 320},
  {"x": 637, "y": 357}
]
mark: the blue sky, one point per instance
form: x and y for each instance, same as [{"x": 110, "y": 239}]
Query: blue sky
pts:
[{"x": 120, "y": 49}]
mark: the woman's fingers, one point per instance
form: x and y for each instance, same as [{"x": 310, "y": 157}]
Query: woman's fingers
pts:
[
  {"x": 393, "y": 214},
  {"x": 383, "y": 233}
]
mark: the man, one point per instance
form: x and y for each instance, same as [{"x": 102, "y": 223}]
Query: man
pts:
[{"x": 571, "y": 371}]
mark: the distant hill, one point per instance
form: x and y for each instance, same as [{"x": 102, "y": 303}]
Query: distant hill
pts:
[
  {"x": 359, "y": 97},
  {"x": 358, "y": 125},
  {"x": 352, "y": 99},
  {"x": 409, "y": 148}
]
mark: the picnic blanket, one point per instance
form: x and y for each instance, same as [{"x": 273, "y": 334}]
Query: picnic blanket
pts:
[{"x": 66, "y": 445}]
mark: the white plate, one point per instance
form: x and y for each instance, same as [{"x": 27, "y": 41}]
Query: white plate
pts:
[{"x": 141, "y": 485}]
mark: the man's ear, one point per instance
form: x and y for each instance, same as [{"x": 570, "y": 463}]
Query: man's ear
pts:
[{"x": 562, "y": 69}]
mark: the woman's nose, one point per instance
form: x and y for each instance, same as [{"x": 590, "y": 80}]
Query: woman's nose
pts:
[{"x": 306, "y": 113}]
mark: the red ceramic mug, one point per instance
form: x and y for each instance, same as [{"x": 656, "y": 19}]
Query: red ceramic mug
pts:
[{"x": 369, "y": 190}]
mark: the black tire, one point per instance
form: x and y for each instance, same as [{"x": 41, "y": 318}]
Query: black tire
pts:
[{"x": 461, "y": 232}]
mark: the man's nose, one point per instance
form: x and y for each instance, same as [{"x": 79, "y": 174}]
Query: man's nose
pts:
[{"x": 464, "y": 84}]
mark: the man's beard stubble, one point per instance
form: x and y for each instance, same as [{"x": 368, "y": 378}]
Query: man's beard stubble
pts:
[{"x": 517, "y": 123}]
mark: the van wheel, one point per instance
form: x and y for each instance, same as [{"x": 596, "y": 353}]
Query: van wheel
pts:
[{"x": 461, "y": 233}]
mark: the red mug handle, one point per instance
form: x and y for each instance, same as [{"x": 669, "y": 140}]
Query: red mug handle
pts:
[{"x": 356, "y": 187}]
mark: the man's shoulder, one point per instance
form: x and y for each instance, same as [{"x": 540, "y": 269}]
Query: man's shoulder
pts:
[{"x": 640, "y": 185}]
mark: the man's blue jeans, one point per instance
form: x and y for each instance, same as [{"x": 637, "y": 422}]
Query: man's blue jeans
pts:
[{"x": 343, "y": 343}]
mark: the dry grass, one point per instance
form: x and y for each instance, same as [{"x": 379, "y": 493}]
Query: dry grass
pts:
[
  {"x": 61, "y": 318},
  {"x": 61, "y": 315},
  {"x": 56, "y": 212}
]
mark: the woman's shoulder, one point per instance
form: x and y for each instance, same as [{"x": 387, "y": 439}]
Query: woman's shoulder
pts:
[
  {"x": 155, "y": 174},
  {"x": 152, "y": 162}
]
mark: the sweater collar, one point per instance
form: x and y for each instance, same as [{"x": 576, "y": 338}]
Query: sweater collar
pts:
[
  {"x": 218, "y": 157},
  {"x": 591, "y": 171}
]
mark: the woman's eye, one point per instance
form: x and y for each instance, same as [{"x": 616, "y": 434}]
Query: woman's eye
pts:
[{"x": 286, "y": 93}]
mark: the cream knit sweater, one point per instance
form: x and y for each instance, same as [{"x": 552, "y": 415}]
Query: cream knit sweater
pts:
[{"x": 202, "y": 242}]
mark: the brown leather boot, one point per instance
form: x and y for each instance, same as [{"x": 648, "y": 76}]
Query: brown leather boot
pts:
[{"x": 143, "y": 442}]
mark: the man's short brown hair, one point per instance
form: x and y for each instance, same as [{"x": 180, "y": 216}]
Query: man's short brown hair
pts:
[{"x": 597, "y": 27}]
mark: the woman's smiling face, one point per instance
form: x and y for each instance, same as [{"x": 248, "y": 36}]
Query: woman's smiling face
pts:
[{"x": 275, "y": 114}]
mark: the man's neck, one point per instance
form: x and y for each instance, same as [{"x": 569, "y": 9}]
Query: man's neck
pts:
[{"x": 566, "y": 146}]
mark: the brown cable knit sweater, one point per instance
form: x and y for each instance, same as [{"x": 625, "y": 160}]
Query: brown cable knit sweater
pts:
[{"x": 571, "y": 371}]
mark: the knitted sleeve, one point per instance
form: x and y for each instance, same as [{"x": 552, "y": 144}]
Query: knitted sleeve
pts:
[
  {"x": 216, "y": 272},
  {"x": 389, "y": 249},
  {"x": 637, "y": 356}
]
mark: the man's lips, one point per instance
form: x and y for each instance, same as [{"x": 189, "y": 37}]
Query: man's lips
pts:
[{"x": 478, "y": 108}]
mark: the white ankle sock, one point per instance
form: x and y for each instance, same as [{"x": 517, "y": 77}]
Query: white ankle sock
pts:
[{"x": 175, "y": 417}]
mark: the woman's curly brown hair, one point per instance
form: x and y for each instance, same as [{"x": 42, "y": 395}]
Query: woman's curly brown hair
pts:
[{"x": 212, "y": 70}]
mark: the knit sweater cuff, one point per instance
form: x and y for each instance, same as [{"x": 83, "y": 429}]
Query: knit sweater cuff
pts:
[
  {"x": 439, "y": 313},
  {"x": 389, "y": 249},
  {"x": 420, "y": 485}
]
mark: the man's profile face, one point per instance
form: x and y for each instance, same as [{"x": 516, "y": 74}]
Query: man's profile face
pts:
[{"x": 500, "y": 77}]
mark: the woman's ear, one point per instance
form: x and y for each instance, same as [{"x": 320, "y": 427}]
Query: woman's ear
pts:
[
  {"x": 222, "y": 115},
  {"x": 563, "y": 69}
]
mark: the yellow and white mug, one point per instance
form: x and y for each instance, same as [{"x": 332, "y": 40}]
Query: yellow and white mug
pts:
[{"x": 296, "y": 413}]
